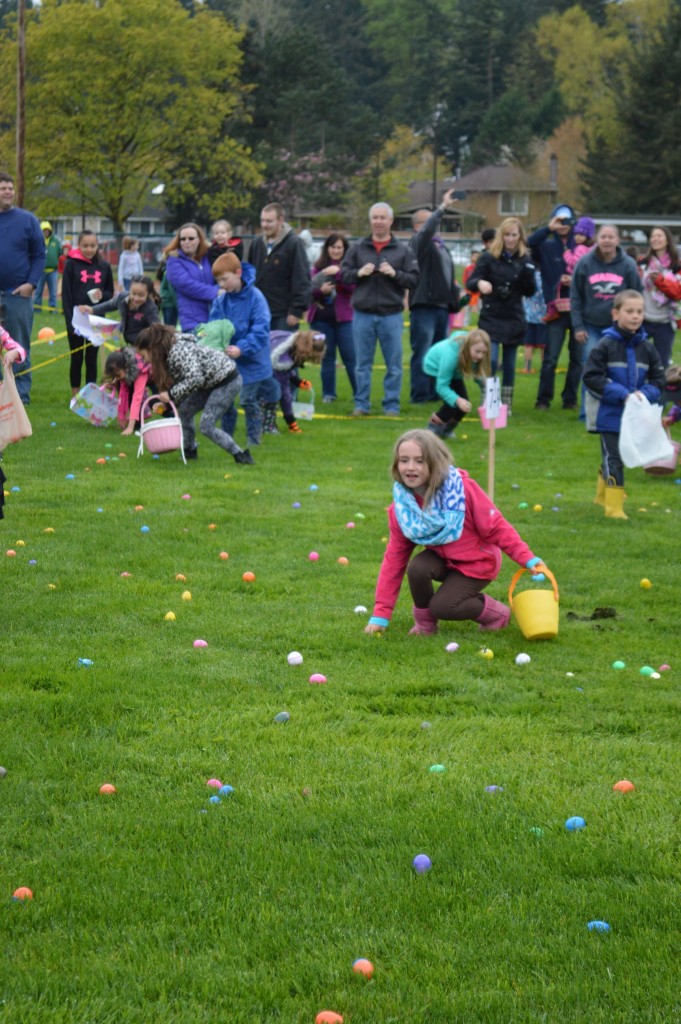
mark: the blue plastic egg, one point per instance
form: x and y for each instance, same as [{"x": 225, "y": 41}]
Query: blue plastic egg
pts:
[
  {"x": 598, "y": 926},
  {"x": 575, "y": 824}
]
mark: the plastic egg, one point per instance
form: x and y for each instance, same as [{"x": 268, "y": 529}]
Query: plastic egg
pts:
[
  {"x": 51, "y": 586},
  {"x": 200, "y": 643},
  {"x": 3, "y": 772},
  {"x": 186, "y": 595},
  {"x": 618, "y": 664},
  {"x": 486, "y": 652},
  {"x": 575, "y": 824},
  {"x": 451, "y": 648},
  {"x": 214, "y": 784},
  {"x": 364, "y": 967},
  {"x": 296, "y": 504},
  {"x": 328, "y": 1017},
  {"x": 313, "y": 487},
  {"x": 85, "y": 662},
  {"x": 360, "y": 609},
  {"x": 226, "y": 790},
  {"x": 186, "y": 497},
  {"x": 437, "y": 769},
  {"x": 598, "y": 926},
  {"x": 494, "y": 789},
  {"x": 283, "y": 716},
  {"x": 169, "y": 617},
  {"x": 224, "y": 555},
  {"x": 22, "y": 893},
  {"x": 653, "y": 675},
  {"x": 11, "y": 553},
  {"x": 349, "y": 526},
  {"x": 523, "y": 504},
  {"x": 421, "y": 863},
  {"x": 645, "y": 584},
  {"x": 70, "y": 476},
  {"x": 313, "y": 556},
  {"x": 522, "y": 659},
  {"x": 537, "y": 508},
  {"x": 144, "y": 529},
  {"x": 426, "y": 725},
  {"x": 33, "y": 561},
  {"x": 248, "y": 577},
  {"x": 46, "y": 334},
  {"x": 20, "y": 543},
  {"x": 106, "y": 789},
  {"x": 212, "y": 526},
  {"x": 294, "y": 658},
  {"x": 180, "y": 578},
  {"x": 318, "y": 678},
  {"x": 214, "y": 799},
  {"x": 624, "y": 786},
  {"x": 664, "y": 668},
  {"x": 646, "y": 670},
  {"x": 49, "y": 529},
  {"x": 343, "y": 561},
  {"x": 126, "y": 575}
]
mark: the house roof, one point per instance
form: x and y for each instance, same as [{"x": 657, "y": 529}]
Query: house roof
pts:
[{"x": 500, "y": 178}]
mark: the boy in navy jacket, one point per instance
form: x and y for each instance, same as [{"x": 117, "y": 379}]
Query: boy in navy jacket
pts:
[{"x": 622, "y": 367}]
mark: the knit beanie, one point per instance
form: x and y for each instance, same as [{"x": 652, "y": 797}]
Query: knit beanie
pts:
[{"x": 585, "y": 226}]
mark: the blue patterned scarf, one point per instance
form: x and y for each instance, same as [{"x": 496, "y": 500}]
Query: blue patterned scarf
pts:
[{"x": 442, "y": 522}]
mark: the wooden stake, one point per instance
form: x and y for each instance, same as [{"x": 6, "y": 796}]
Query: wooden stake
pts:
[{"x": 490, "y": 459}]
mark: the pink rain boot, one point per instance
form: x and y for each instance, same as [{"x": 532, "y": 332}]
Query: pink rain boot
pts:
[
  {"x": 495, "y": 615},
  {"x": 425, "y": 623}
]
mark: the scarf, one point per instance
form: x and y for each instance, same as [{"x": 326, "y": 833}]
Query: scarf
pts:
[
  {"x": 657, "y": 265},
  {"x": 442, "y": 522}
]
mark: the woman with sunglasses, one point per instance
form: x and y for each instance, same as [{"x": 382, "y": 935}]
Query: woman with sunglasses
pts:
[{"x": 189, "y": 272}]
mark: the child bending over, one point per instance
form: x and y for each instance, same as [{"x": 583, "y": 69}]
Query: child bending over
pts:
[
  {"x": 441, "y": 509},
  {"x": 130, "y": 374},
  {"x": 289, "y": 353},
  {"x": 460, "y": 355}
]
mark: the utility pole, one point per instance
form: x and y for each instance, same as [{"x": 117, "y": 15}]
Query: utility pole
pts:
[{"x": 21, "y": 101}]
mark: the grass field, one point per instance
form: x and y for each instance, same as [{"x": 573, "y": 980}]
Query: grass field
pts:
[{"x": 155, "y": 905}]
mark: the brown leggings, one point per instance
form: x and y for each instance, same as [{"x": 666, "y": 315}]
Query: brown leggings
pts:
[{"x": 458, "y": 597}]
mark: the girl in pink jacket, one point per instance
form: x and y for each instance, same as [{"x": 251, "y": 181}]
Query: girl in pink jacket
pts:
[{"x": 463, "y": 534}]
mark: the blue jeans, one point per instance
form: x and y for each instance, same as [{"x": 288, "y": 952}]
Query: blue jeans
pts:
[
  {"x": 662, "y": 337},
  {"x": 268, "y": 391},
  {"x": 509, "y": 356},
  {"x": 555, "y": 336},
  {"x": 428, "y": 325},
  {"x": 338, "y": 336},
  {"x": 593, "y": 336},
  {"x": 366, "y": 328},
  {"x": 49, "y": 277},
  {"x": 16, "y": 316}
]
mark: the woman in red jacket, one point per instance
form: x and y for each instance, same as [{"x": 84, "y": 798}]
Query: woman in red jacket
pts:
[
  {"x": 660, "y": 270},
  {"x": 463, "y": 534}
]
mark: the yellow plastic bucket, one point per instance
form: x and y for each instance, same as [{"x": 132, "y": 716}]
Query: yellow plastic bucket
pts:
[{"x": 536, "y": 611}]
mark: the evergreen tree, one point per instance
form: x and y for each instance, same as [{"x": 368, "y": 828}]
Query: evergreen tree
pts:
[{"x": 642, "y": 171}]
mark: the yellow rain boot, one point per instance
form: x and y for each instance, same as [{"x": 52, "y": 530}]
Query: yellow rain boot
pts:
[
  {"x": 614, "y": 502},
  {"x": 600, "y": 490}
]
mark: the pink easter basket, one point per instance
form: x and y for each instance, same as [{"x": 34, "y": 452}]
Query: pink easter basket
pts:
[
  {"x": 161, "y": 436},
  {"x": 499, "y": 422}
]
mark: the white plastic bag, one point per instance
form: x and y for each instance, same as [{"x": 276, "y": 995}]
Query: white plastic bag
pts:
[{"x": 643, "y": 439}]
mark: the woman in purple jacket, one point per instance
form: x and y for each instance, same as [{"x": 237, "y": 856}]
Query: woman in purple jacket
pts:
[
  {"x": 331, "y": 313},
  {"x": 189, "y": 271}
]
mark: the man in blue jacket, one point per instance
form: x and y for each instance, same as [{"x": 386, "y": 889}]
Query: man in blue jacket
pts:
[
  {"x": 22, "y": 261},
  {"x": 548, "y": 245}
]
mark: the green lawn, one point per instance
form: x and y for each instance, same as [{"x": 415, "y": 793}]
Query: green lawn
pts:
[{"x": 155, "y": 905}]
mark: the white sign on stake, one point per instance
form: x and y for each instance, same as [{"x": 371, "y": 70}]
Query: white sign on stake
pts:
[{"x": 492, "y": 398}]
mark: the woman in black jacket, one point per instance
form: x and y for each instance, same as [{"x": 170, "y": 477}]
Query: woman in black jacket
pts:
[{"x": 502, "y": 276}]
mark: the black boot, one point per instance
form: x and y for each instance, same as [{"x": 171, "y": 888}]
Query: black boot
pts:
[{"x": 244, "y": 458}]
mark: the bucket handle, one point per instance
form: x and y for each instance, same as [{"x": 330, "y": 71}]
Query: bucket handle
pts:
[
  {"x": 146, "y": 402},
  {"x": 519, "y": 573}
]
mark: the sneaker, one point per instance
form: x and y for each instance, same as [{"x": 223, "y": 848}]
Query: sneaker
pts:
[
  {"x": 253, "y": 442},
  {"x": 294, "y": 428},
  {"x": 360, "y": 412},
  {"x": 327, "y": 399},
  {"x": 244, "y": 458},
  {"x": 191, "y": 453}
]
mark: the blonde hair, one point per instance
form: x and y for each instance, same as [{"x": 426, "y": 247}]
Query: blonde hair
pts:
[
  {"x": 626, "y": 296},
  {"x": 475, "y": 337},
  {"x": 308, "y": 347},
  {"x": 497, "y": 246},
  {"x": 436, "y": 454}
]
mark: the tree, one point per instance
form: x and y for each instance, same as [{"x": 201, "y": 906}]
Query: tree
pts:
[
  {"x": 122, "y": 94},
  {"x": 641, "y": 169}
]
